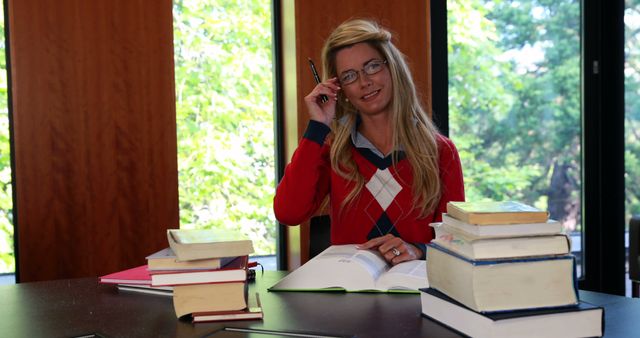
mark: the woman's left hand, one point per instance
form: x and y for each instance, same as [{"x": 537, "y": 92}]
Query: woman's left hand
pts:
[{"x": 392, "y": 248}]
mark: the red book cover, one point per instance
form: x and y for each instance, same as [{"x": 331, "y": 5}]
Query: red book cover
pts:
[{"x": 137, "y": 275}]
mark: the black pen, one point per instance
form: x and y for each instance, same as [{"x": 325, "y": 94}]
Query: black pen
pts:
[{"x": 323, "y": 97}]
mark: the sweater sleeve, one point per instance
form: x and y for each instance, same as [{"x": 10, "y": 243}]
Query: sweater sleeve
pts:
[
  {"x": 306, "y": 178},
  {"x": 450, "y": 176}
]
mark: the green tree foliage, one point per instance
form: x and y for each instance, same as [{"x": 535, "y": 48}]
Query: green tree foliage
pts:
[
  {"x": 632, "y": 107},
  {"x": 224, "y": 90},
  {"x": 515, "y": 101}
]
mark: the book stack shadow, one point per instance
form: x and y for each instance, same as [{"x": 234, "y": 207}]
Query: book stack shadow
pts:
[
  {"x": 504, "y": 269},
  {"x": 203, "y": 271}
]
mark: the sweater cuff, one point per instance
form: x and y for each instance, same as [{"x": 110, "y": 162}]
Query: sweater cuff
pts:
[
  {"x": 423, "y": 248},
  {"x": 317, "y": 131}
]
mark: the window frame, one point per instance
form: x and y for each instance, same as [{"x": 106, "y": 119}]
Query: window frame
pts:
[{"x": 278, "y": 123}]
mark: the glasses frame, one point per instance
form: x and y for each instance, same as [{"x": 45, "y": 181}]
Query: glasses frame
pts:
[{"x": 362, "y": 70}]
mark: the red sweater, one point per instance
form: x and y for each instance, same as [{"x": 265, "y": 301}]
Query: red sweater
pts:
[{"x": 384, "y": 203}]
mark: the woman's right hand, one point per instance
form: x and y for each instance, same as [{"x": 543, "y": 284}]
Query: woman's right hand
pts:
[{"x": 323, "y": 111}]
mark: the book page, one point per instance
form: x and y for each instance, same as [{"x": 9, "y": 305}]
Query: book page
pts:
[
  {"x": 340, "y": 266},
  {"x": 411, "y": 275},
  {"x": 372, "y": 261}
]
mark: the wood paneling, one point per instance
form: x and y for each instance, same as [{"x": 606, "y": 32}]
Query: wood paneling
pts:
[
  {"x": 408, "y": 21},
  {"x": 94, "y": 134},
  {"x": 314, "y": 20}
]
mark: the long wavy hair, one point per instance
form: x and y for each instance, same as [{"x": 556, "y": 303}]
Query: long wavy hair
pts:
[{"x": 412, "y": 126}]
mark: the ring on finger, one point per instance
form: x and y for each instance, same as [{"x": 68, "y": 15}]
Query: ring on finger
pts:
[{"x": 395, "y": 252}]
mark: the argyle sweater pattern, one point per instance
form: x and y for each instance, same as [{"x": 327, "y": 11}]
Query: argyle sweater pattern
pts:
[{"x": 384, "y": 205}]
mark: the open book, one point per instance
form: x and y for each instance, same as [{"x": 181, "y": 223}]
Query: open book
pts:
[{"x": 345, "y": 268}]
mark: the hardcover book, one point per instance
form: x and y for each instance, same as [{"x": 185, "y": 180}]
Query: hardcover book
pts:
[
  {"x": 253, "y": 311},
  {"x": 345, "y": 268},
  {"x": 503, "y": 285},
  {"x": 581, "y": 320},
  {"x": 147, "y": 289},
  {"x": 482, "y": 248},
  {"x": 202, "y": 244},
  {"x": 235, "y": 271},
  {"x": 549, "y": 227},
  {"x": 496, "y": 212},
  {"x": 166, "y": 259},
  {"x": 138, "y": 275},
  {"x": 188, "y": 299}
]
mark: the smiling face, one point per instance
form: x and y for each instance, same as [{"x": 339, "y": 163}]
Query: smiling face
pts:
[{"x": 369, "y": 94}]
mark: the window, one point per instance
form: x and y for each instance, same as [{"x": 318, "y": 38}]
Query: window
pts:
[
  {"x": 224, "y": 93},
  {"x": 515, "y": 103},
  {"x": 556, "y": 29},
  {"x": 632, "y": 110}
]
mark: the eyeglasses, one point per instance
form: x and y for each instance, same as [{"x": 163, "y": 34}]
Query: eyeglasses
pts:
[{"x": 370, "y": 68}]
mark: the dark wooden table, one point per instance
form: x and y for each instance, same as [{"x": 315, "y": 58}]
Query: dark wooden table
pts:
[{"x": 83, "y": 307}]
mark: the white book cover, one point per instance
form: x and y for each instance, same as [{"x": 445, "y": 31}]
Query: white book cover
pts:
[
  {"x": 478, "y": 247},
  {"x": 504, "y": 230},
  {"x": 583, "y": 320}
]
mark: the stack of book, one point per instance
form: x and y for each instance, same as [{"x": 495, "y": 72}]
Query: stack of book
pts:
[
  {"x": 205, "y": 271},
  {"x": 136, "y": 279},
  {"x": 503, "y": 269}
]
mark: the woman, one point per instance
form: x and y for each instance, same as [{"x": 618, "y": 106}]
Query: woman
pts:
[{"x": 386, "y": 169}]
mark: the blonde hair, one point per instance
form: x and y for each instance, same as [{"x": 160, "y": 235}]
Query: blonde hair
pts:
[{"x": 412, "y": 127}]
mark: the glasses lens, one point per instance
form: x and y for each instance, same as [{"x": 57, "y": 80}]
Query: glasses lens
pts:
[
  {"x": 373, "y": 67},
  {"x": 348, "y": 77}
]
